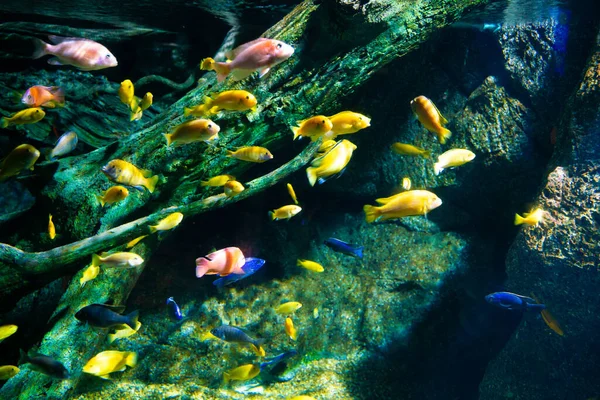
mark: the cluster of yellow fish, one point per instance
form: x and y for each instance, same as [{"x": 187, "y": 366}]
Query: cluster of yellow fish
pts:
[
  {"x": 7, "y": 371},
  {"x": 136, "y": 105}
]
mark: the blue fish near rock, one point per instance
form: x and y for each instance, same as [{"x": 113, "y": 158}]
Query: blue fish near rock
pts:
[
  {"x": 174, "y": 310},
  {"x": 251, "y": 266},
  {"x": 273, "y": 361},
  {"x": 514, "y": 302},
  {"x": 345, "y": 248},
  {"x": 232, "y": 334}
]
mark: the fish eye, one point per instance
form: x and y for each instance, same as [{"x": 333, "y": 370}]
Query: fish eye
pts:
[
  {"x": 278, "y": 45},
  {"x": 247, "y": 97},
  {"x": 323, "y": 122},
  {"x": 108, "y": 56},
  {"x": 209, "y": 126},
  {"x": 29, "y": 97}
]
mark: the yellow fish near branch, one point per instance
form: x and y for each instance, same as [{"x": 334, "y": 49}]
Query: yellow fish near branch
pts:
[
  {"x": 406, "y": 149},
  {"x": 126, "y": 91},
  {"x": 331, "y": 163},
  {"x": 292, "y": 193},
  {"x": 124, "y": 331},
  {"x": 113, "y": 195},
  {"x": 218, "y": 180},
  {"x": 255, "y": 154},
  {"x": 21, "y": 158},
  {"x": 117, "y": 260},
  {"x": 120, "y": 171},
  {"x": 233, "y": 188},
  {"x": 313, "y": 127},
  {"x": 135, "y": 241},
  {"x": 412, "y": 202},
  {"x": 7, "y": 330},
  {"x": 231, "y": 100},
  {"x": 285, "y": 212},
  {"x": 89, "y": 274},
  {"x": 51, "y": 228},
  {"x": 167, "y": 223},
  {"x": 198, "y": 130},
  {"x": 27, "y": 116},
  {"x": 347, "y": 122},
  {"x": 8, "y": 371}
]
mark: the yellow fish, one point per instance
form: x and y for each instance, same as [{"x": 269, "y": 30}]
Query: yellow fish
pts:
[
  {"x": 290, "y": 329},
  {"x": 113, "y": 195},
  {"x": 146, "y": 101},
  {"x": 241, "y": 373},
  {"x": 315, "y": 313},
  {"x": 89, "y": 274},
  {"x": 136, "y": 110},
  {"x": 331, "y": 163},
  {"x": 7, "y": 330},
  {"x": 232, "y": 100},
  {"x": 412, "y": 202},
  {"x": 117, "y": 260},
  {"x": 310, "y": 265},
  {"x": 233, "y": 188},
  {"x": 430, "y": 117},
  {"x": 326, "y": 146},
  {"x": 259, "y": 351},
  {"x": 123, "y": 332},
  {"x": 313, "y": 127},
  {"x": 107, "y": 362},
  {"x": 549, "y": 319},
  {"x": 288, "y": 308},
  {"x": 126, "y": 92},
  {"x": 255, "y": 154},
  {"x": 198, "y": 130},
  {"x": 167, "y": 223},
  {"x": 27, "y": 116},
  {"x": 8, "y": 371},
  {"x": 135, "y": 241},
  {"x": 406, "y": 183},
  {"x": 120, "y": 171},
  {"x": 218, "y": 180},
  {"x": 406, "y": 149},
  {"x": 532, "y": 218},
  {"x": 452, "y": 158},
  {"x": 292, "y": 193},
  {"x": 285, "y": 212},
  {"x": 347, "y": 122},
  {"x": 22, "y": 157},
  {"x": 51, "y": 228}
]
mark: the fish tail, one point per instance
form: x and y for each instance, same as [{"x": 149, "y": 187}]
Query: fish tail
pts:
[
  {"x": 272, "y": 216},
  {"x": 296, "y": 131},
  {"x": 312, "y": 175},
  {"x": 41, "y": 49},
  {"x": 5, "y": 122},
  {"x": 131, "y": 359},
  {"x": 96, "y": 261},
  {"x": 359, "y": 252},
  {"x": 23, "y": 357},
  {"x": 208, "y": 64},
  {"x": 204, "y": 183},
  {"x": 151, "y": 183},
  {"x": 225, "y": 377},
  {"x": 426, "y": 154},
  {"x": 153, "y": 228},
  {"x": 169, "y": 138},
  {"x": 208, "y": 102},
  {"x": 132, "y": 319},
  {"x": 214, "y": 110},
  {"x": 258, "y": 342},
  {"x": 437, "y": 168},
  {"x": 201, "y": 267},
  {"x": 222, "y": 70},
  {"x": 229, "y": 153},
  {"x": 187, "y": 111},
  {"x": 371, "y": 213},
  {"x": 444, "y": 135},
  {"x": 100, "y": 200},
  {"x": 59, "y": 95},
  {"x": 519, "y": 220}
]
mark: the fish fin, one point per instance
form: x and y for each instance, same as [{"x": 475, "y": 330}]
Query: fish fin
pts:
[
  {"x": 132, "y": 319},
  {"x": 60, "y": 39},
  {"x": 5, "y": 122},
  {"x": 359, "y": 252},
  {"x": 114, "y": 307},
  {"x": 187, "y": 111},
  {"x": 146, "y": 173},
  {"x": 321, "y": 181},
  {"x": 131, "y": 359},
  {"x": 169, "y": 139},
  {"x": 296, "y": 131},
  {"x": 437, "y": 168},
  {"x": 96, "y": 261},
  {"x": 151, "y": 183},
  {"x": 201, "y": 267},
  {"x": 232, "y": 54},
  {"x": 371, "y": 213},
  {"x": 153, "y": 228},
  {"x": 107, "y": 376},
  {"x": 230, "y": 153},
  {"x": 519, "y": 220},
  {"x": 384, "y": 200},
  {"x": 426, "y": 154},
  {"x": 100, "y": 199},
  {"x": 40, "y": 49},
  {"x": 444, "y": 135},
  {"x": 311, "y": 175},
  {"x": 225, "y": 377},
  {"x": 208, "y": 102},
  {"x": 54, "y": 61},
  {"x": 59, "y": 95},
  {"x": 263, "y": 72},
  {"x": 214, "y": 110},
  {"x": 222, "y": 70},
  {"x": 239, "y": 74},
  {"x": 443, "y": 120},
  {"x": 23, "y": 357},
  {"x": 272, "y": 216}
]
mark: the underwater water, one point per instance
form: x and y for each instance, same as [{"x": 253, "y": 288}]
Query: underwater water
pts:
[{"x": 337, "y": 199}]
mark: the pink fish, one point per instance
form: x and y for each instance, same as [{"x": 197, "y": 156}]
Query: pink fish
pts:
[
  {"x": 259, "y": 55},
  {"x": 84, "y": 54},
  {"x": 229, "y": 260}
]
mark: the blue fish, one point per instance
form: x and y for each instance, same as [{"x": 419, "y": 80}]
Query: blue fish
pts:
[
  {"x": 345, "y": 248},
  {"x": 232, "y": 334},
  {"x": 174, "y": 310},
  {"x": 251, "y": 266},
  {"x": 514, "y": 302},
  {"x": 277, "y": 359}
]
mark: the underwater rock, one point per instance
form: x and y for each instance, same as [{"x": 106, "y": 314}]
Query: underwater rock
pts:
[{"x": 15, "y": 199}]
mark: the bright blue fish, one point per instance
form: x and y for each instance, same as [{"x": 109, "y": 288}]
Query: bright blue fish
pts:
[
  {"x": 174, "y": 310},
  {"x": 343, "y": 247},
  {"x": 252, "y": 265},
  {"x": 277, "y": 359},
  {"x": 514, "y": 302}
]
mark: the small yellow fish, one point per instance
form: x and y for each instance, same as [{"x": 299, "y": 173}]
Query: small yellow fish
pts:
[
  {"x": 406, "y": 183},
  {"x": 452, "y": 158},
  {"x": 8, "y": 371},
  {"x": 292, "y": 193},
  {"x": 207, "y": 336},
  {"x": 51, "y": 228},
  {"x": 411, "y": 202},
  {"x": 255, "y": 154},
  {"x": 285, "y": 212},
  {"x": 136, "y": 110},
  {"x": 233, "y": 188},
  {"x": 135, "y": 241},
  {"x": 430, "y": 117},
  {"x": 241, "y": 373},
  {"x": 146, "y": 101},
  {"x": 288, "y": 308},
  {"x": 21, "y": 158},
  {"x": 107, "y": 362},
  {"x": 313, "y": 127},
  {"x": 218, "y": 180},
  {"x": 315, "y": 313},
  {"x": 121, "y": 259},
  {"x": 310, "y": 265},
  {"x": 167, "y": 223},
  {"x": 549, "y": 319},
  {"x": 120, "y": 171},
  {"x": 90, "y": 273},
  {"x": 301, "y": 398},
  {"x": 259, "y": 351},
  {"x": 27, "y": 116},
  {"x": 198, "y": 130},
  {"x": 326, "y": 146},
  {"x": 232, "y": 100},
  {"x": 113, "y": 195},
  {"x": 531, "y": 218},
  {"x": 331, "y": 163},
  {"x": 347, "y": 122},
  {"x": 406, "y": 149},
  {"x": 124, "y": 331},
  {"x": 290, "y": 329},
  {"x": 7, "y": 330},
  {"x": 126, "y": 92}
]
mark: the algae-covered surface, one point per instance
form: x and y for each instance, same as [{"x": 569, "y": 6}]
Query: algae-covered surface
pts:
[{"x": 414, "y": 246}]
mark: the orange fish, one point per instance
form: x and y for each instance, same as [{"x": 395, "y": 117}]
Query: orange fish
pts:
[
  {"x": 229, "y": 260},
  {"x": 430, "y": 117},
  {"x": 44, "y": 96},
  {"x": 549, "y": 319}
]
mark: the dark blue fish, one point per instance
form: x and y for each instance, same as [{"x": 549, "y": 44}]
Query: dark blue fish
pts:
[
  {"x": 273, "y": 361},
  {"x": 251, "y": 266},
  {"x": 106, "y": 316},
  {"x": 343, "y": 247},
  {"x": 235, "y": 335},
  {"x": 44, "y": 364},
  {"x": 514, "y": 302},
  {"x": 174, "y": 310}
]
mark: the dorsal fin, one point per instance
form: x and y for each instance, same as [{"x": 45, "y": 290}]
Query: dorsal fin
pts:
[
  {"x": 232, "y": 54},
  {"x": 60, "y": 39},
  {"x": 443, "y": 120}
]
